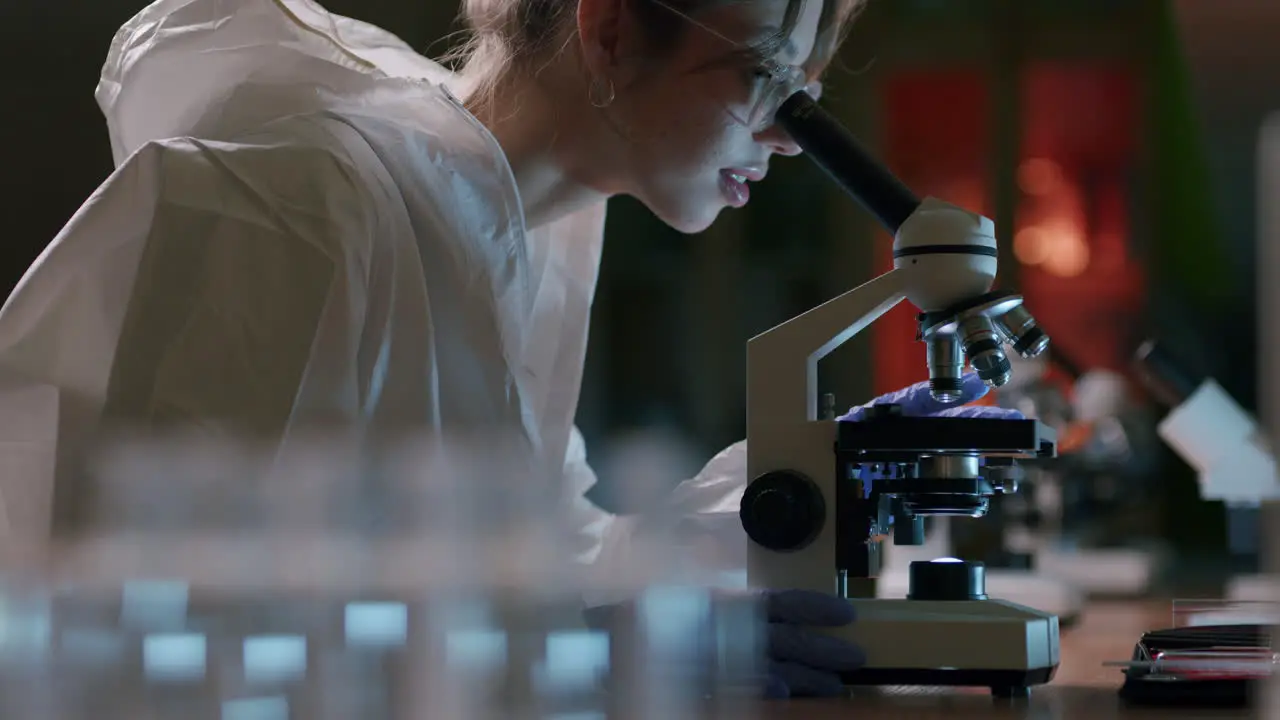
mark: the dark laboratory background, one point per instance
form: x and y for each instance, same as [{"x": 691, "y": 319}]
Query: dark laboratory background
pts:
[{"x": 1112, "y": 141}]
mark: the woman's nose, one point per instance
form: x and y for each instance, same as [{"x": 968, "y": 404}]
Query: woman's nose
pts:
[{"x": 778, "y": 140}]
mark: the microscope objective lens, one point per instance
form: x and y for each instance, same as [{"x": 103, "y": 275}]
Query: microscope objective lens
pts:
[
  {"x": 983, "y": 347},
  {"x": 946, "y": 364}
]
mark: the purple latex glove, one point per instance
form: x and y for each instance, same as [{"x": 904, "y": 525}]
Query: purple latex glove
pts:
[
  {"x": 916, "y": 401},
  {"x": 804, "y": 663}
]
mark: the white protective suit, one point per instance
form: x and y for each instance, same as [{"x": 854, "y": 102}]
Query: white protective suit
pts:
[{"x": 304, "y": 226}]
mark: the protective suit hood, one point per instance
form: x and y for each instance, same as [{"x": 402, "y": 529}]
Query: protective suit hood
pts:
[{"x": 292, "y": 56}]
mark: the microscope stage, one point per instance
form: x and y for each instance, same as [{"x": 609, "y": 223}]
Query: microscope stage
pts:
[
  {"x": 891, "y": 437},
  {"x": 979, "y": 643}
]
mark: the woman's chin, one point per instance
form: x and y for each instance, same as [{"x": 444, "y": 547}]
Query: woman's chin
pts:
[{"x": 693, "y": 220}]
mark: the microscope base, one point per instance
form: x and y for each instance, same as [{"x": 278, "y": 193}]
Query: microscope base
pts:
[
  {"x": 1030, "y": 588},
  {"x": 978, "y": 643}
]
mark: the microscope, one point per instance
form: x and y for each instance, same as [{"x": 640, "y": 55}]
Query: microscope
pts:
[
  {"x": 822, "y": 494},
  {"x": 1209, "y": 430}
]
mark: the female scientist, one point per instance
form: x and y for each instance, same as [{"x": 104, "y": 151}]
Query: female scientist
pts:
[{"x": 310, "y": 225}]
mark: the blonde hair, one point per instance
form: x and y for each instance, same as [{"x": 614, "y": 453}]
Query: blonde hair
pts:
[{"x": 507, "y": 35}]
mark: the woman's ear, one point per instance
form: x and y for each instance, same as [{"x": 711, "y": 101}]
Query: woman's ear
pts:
[{"x": 611, "y": 37}]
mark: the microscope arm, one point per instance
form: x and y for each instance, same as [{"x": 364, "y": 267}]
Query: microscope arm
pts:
[
  {"x": 784, "y": 432},
  {"x": 782, "y": 362}
]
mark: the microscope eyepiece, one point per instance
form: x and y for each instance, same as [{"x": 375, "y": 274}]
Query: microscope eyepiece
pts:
[{"x": 834, "y": 149}]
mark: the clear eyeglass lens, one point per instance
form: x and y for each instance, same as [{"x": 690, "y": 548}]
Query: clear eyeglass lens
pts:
[{"x": 783, "y": 83}]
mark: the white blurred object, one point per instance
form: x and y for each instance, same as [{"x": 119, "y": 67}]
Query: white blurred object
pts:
[
  {"x": 1214, "y": 435},
  {"x": 1102, "y": 399},
  {"x": 1099, "y": 394},
  {"x": 1230, "y": 455},
  {"x": 1229, "y": 611},
  {"x": 1254, "y": 588},
  {"x": 1101, "y": 571},
  {"x": 643, "y": 464},
  {"x": 1026, "y": 371}
]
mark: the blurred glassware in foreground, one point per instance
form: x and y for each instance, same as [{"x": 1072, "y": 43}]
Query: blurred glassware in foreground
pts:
[{"x": 432, "y": 579}]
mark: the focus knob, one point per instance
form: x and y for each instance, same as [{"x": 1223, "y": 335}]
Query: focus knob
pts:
[{"x": 782, "y": 511}]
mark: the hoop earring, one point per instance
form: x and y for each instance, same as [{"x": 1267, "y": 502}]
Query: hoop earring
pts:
[{"x": 600, "y": 93}]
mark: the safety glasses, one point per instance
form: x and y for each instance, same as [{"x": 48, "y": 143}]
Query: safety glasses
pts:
[
  {"x": 779, "y": 83},
  {"x": 773, "y": 82}
]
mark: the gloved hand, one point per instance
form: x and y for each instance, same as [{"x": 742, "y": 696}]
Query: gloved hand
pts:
[
  {"x": 805, "y": 663},
  {"x": 916, "y": 401},
  {"x": 802, "y": 662}
]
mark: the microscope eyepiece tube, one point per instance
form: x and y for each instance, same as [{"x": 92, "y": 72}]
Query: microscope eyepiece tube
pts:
[
  {"x": 834, "y": 149},
  {"x": 1163, "y": 376},
  {"x": 946, "y": 365},
  {"x": 982, "y": 344}
]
